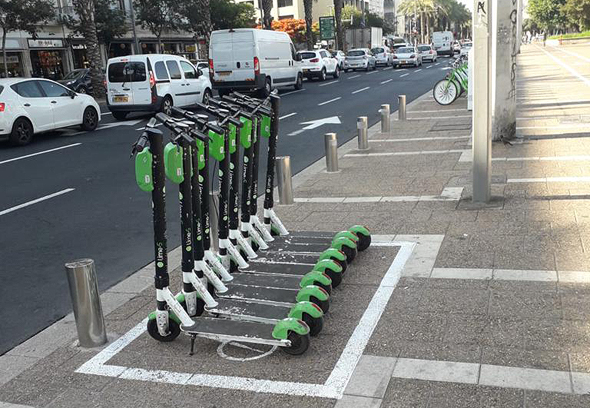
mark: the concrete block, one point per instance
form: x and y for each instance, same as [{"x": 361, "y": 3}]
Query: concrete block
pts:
[{"x": 371, "y": 376}]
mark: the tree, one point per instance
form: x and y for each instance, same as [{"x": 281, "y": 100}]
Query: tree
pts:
[
  {"x": 578, "y": 13},
  {"x": 22, "y": 15},
  {"x": 547, "y": 13},
  {"x": 338, "y": 5},
  {"x": 159, "y": 16},
  {"x": 110, "y": 21},
  {"x": 266, "y": 14},
  {"x": 351, "y": 13},
  {"x": 197, "y": 15},
  {"x": 227, "y": 14},
  {"x": 308, "y": 10},
  {"x": 292, "y": 26}
]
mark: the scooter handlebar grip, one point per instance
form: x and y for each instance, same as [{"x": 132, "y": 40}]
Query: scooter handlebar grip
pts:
[
  {"x": 162, "y": 117},
  {"x": 178, "y": 111}
]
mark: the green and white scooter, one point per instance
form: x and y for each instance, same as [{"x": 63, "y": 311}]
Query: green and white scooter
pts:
[{"x": 169, "y": 318}]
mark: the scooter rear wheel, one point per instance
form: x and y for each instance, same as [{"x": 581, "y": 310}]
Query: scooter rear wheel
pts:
[
  {"x": 364, "y": 242},
  {"x": 316, "y": 324},
  {"x": 173, "y": 327},
  {"x": 336, "y": 278},
  {"x": 350, "y": 253},
  {"x": 323, "y": 304},
  {"x": 299, "y": 344}
]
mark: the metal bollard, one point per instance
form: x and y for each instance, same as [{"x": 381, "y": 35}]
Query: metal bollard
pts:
[
  {"x": 214, "y": 219},
  {"x": 401, "y": 110},
  {"x": 362, "y": 125},
  {"x": 283, "y": 166},
  {"x": 86, "y": 302},
  {"x": 385, "y": 112},
  {"x": 331, "y": 143}
]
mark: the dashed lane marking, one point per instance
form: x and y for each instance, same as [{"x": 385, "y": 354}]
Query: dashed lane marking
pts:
[
  {"x": 287, "y": 116},
  {"x": 38, "y": 200},
  {"x": 360, "y": 90},
  {"x": 329, "y": 101},
  {"x": 39, "y": 153},
  {"x": 401, "y": 76},
  {"x": 329, "y": 83},
  {"x": 386, "y": 81}
]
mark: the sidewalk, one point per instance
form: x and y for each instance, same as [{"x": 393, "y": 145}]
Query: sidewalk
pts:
[{"x": 455, "y": 304}]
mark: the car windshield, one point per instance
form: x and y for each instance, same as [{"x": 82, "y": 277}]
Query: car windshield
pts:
[
  {"x": 405, "y": 50},
  {"x": 75, "y": 74},
  {"x": 424, "y": 48},
  {"x": 334, "y": 54},
  {"x": 356, "y": 53},
  {"x": 307, "y": 55},
  {"x": 377, "y": 50},
  {"x": 467, "y": 45}
]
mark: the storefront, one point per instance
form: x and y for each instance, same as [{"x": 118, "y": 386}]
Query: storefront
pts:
[
  {"x": 120, "y": 49},
  {"x": 186, "y": 49},
  {"x": 14, "y": 59},
  {"x": 79, "y": 54},
  {"x": 48, "y": 58}
]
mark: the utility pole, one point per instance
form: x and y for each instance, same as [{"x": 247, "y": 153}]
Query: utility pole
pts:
[{"x": 132, "y": 15}]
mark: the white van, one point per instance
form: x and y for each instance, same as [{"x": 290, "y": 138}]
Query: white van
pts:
[
  {"x": 248, "y": 59},
  {"x": 152, "y": 83},
  {"x": 443, "y": 42}
]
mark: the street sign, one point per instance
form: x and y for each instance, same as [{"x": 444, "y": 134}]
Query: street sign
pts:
[{"x": 327, "y": 28}]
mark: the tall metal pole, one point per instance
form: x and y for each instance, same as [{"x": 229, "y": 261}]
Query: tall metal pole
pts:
[
  {"x": 482, "y": 114},
  {"x": 132, "y": 15}
]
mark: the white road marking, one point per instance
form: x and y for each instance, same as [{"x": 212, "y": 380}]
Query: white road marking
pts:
[
  {"x": 437, "y": 111},
  {"x": 370, "y": 73},
  {"x": 38, "y": 153},
  {"x": 292, "y": 92},
  {"x": 386, "y": 81},
  {"x": 564, "y": 126},
  {"x": 401, "y": 76},
  {"x": 329, "y": 83},
  {"x": 354, "y": 76},
  {"x": 333, "y": 387},
  {"x": 440, "y": 117},
  {"x": 438, "y": 63},
  {"x": 106, "y": 113},
  {"x": 287, "y": 115},
  {"x": 418, "y": 139},
  {"x": 563, "y": 64},
  {"x": 387, "y": 68},
  {"x": 330, "y": 101},
  {"x": 361, "y": 90},
  {"x": 573, "y": 179},
  {"x": 415, "y": 153},
  {"x": 448, "y": 194},
  {"x": 573, "y": 54},
  {"x": 418, "y": 70},
  {"x": 260, "y": 353},
  {"x": 38, "y": 200},
  {"x": 430, "y": 66}
]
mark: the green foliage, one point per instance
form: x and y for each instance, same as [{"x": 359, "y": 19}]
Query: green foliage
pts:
[
  {"x": 577, "y": 12},
  {"x": 584, "y": 34},
  {"x": 371, "y": 19},
  {"x": 109, "y": 20},
  {"x": 24, "y": 15},
  {"x": 159, "y": 15},
  {"x": 547, "y": 14},
  {"x": 227, "y": 14}
]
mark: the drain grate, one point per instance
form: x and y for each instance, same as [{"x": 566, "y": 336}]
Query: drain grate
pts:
[{"x": 444, "y": 126}]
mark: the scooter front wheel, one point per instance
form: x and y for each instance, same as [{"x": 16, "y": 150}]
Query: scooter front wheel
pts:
[
  {"x": 299, "y": 344},
  {"x": 445, "y": 92},
  {"x": 316, "y": 324},
  {"x": 350, "y": 253},
  {"x": 173, "y": 330}
]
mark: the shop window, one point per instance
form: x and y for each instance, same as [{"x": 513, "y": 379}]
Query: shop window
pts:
[
  {"x": 173, "y": 69},
  {"x": 53, "y": 90},
  {"x": 189, "y": 70},
  {"x": 285, "y": 3},
  {"x": 161, "y": 72},
  {"x": 27, "y": 89}
]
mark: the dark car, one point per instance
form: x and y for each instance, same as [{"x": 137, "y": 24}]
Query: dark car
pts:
[{"x": 78, "y": 80}]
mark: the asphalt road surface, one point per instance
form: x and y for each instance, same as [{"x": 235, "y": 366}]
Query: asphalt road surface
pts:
[{"x": 82, "y": 201}]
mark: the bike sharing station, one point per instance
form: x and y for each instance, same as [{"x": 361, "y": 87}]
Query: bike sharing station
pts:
[{"x": 273, "y": 310}]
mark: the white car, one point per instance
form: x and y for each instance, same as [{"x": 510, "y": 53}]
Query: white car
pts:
[
  {"x": 152, "y": 83},
  {"x": 340, "y": 57},
  {"x": 466, "y": 48},
  {"x": 383, "y": 55},
  {"x": 407, "y": 56},
  {"x": 456, "y": 47},
  {"x": 318, "y": 64},
  {"x": 428, "y": 52},
  {"x": 31, "y": 106},
  {"x": 359, "y": 58}
]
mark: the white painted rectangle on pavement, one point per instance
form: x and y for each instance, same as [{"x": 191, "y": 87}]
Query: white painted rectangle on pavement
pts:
[
  {"x": 386, "y": 81},
  {"x": 573, "y": 276},
  {"x": 329, "y": 101},
  {"x": 525, "y": 275},
  {"x": 525, "y": 378},
  {"x": 573, "y": 179},
  {"x": 35, "y": 201},
  {"x": 581, "y": 383},
  {"x": 404, "y": 75},
  {"x": 461, "y": 273},
  {"x": 418, "y": 139},
  {"x": 371, "y": 376},
  {"x": 432, "y": 370}
]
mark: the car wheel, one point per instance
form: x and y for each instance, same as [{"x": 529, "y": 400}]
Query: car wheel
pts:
[
  {"x": 223, "y": 92},
  {"x": 299, "y": 83},
  {"x": 265, "y": 92},
  {"x": 167, "y": 106},
  {"x": 207, "y": 95},
  {"x": 367, "y": 67},
  {"x": 336, "y": 73},
  {"x": 120, "y": 115},
  {"x": 323, "y": 74},
  {"x": 22, "y": 132},
  {"x": 82, "y": 90},
  {"x": 89, "y": 119}
]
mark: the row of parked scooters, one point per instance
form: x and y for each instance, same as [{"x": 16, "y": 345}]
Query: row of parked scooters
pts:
[{"x": 265, "y": 285}]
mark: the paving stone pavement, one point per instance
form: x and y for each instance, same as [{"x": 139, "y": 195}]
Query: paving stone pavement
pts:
[{"x": 491, "y": 310}]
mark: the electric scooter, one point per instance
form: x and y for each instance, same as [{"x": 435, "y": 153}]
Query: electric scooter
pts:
[{"x": 169, "y": 318}]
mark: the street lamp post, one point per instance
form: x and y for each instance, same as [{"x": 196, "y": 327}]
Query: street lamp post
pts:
[{"x": 132, "y": 15}]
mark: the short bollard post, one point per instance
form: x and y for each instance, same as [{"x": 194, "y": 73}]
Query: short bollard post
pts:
[
  {"x": 331, "y": 152},
  {"x": 283, "y": 166},
  {"x": 214, "y": 219},
  {"x": 362, "y": 125},
  {"x": 385, "y": 125},
  {"x": 401, "y": 111},
  {"x": 86, "y": 303}
]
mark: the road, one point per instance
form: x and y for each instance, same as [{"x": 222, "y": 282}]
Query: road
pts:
[{"x": 72, "y": 194}]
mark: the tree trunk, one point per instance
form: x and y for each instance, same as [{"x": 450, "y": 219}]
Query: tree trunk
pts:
[
  {"x": 422, "y": 27},
  {"x": 85, "y": 9},
  {"x": 4, "y": 52},
  {"x": 339, "y": 32},
  {"x": 159, "y": 43},
  {"x": 204, "y": 29},
  {"x": 308, "y": 8},
  {"x": 267, "y": 14}
]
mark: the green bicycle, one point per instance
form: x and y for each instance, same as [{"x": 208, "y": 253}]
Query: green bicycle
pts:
[{"x": 447, "y": 90}]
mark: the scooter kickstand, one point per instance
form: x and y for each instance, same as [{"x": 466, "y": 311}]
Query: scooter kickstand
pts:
[{"x": 193, "y": 337}]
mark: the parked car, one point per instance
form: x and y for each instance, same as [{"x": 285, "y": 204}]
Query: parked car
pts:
[
  {"x": 340, "y": 57},
  {"x": 407, "y": 56},
  {"x": 31, "y": 106},
  {"x": 247, "y": 59},
  {"x": 383, "y": 55},
  {"x": 456, "y": 47},
  {"x": 466, "y": 48},
  {"x": 152, "y": 83},
  {"x": 318, "y": 64},
  {"x": 428, "y": 52},
  {"x": 78, "y": 80},
  {"x": 359, "y": 58},
  {"x": 397, "y": 46},
  {"x": 203, "y": 65}
]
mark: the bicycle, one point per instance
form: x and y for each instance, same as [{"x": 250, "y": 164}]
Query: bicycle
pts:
[{"x": 447, "y": 90}]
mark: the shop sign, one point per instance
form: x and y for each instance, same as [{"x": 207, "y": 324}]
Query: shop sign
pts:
[
  {"x": 78, "y": 46},
  {"x": 12, "y": 59},
  {"x": 57, "y": 43}
]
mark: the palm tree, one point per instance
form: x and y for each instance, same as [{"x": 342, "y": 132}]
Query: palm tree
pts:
[
  {"x": 266, "y": 14},
  {"x": 308, "y": 9},
  {"x": 338, "y": 4},
  {"x": 420, "y": 9}
]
